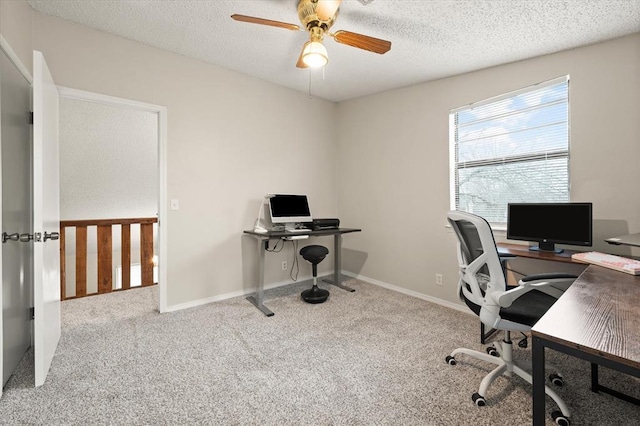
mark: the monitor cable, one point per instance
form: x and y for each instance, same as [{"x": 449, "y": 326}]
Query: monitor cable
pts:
[
  {"x": 295, "y": 266},
  {"x": 277, "y": 247}
]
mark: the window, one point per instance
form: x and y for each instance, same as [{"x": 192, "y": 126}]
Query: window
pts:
[{"x": 511, "y": 148}]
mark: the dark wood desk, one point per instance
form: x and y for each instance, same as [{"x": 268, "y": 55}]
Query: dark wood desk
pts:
[
  {"x": 626, "y": 240},
  {"x": 263, "y": 240},
  {"x": 510, "y": 250},
  {"x": 521, "y": 250},
  {"x": 596, "y": 319}
]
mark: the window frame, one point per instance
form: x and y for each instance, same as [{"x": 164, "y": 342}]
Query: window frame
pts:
[{"x": 453, "y": 165}]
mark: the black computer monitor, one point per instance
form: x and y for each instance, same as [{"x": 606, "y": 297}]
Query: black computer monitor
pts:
[{"x": 549, "y": 224}]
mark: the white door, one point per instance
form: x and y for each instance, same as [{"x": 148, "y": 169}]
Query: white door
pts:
[{"x": 46, "y": 218}]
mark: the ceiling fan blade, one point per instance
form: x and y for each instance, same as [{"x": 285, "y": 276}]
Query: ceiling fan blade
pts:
[
  {"x": 269, "y": 22},
  {"x": 325, "y": 9},
  {"x": 360, "y": 41}
]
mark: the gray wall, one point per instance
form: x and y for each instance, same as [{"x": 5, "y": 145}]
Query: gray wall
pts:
[
  {"x": 393, "y": 160},
  {"x": 380, "y": 162},
  {"x": 231, "y": 139},
  {"x": 16, "y": 26}
]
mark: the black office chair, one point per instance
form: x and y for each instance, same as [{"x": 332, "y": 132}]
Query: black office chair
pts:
[
  {"x": 314, "y": 254},
  {"x": 483, "y": 288}
]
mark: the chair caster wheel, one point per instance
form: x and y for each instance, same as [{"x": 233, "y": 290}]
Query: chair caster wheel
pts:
[
  {"x": 450, "y": 360},
  {"x": 560, "y": 419},
  {"x": 556, "y": 379},
  {"x": 491, "y": 350},
  {"x": 478, "y": 399}
]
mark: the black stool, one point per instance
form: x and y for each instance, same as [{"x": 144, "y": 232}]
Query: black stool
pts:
[{"x": 314, "y": 254}]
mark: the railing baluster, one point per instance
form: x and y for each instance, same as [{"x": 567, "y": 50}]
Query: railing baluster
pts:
[
  {"x": 81, "y": 261},
  {"x": 105, "y": 253},
  {"x": 146, "y": 253},
  {"x": 126, "y": 256},
  {"x": 105, "y": 259}
]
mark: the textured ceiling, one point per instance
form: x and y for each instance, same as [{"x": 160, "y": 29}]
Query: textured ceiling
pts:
[{"x": 431, "y": 39}]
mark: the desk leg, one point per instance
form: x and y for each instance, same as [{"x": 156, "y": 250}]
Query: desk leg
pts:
[
  {"x": 537, "y": 355},
  {"x": 337, "y": 264},
  {"x": 258, "y": 297},
  {"x": 594, "y": 377},
  {"x": 485, "y": 335},
  {"x": 597, "y": 387}
]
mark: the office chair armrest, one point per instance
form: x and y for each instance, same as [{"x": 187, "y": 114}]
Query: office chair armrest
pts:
[
  {"x": 557, "y": 283},
  {"x": 551, "y": 284},
  {"x": 548, "y": 277}
]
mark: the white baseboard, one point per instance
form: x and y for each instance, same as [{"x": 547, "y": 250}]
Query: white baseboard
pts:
[
  {"x": 412, "y": 293},
  {"x": 388, "y": 286},
  {"x": 225, "y": 296}
]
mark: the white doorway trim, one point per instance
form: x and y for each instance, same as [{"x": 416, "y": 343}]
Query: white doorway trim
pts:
[{"x": 162, "y": 169}]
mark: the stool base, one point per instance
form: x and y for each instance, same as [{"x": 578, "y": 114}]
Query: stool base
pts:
[{"x": 315, "y": 295}]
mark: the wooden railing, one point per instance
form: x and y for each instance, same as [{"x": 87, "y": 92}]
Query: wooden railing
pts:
[{"x": 105, "y": 253}]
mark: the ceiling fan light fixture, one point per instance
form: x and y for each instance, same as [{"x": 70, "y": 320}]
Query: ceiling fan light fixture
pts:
[{"x": 314, "y": 54}]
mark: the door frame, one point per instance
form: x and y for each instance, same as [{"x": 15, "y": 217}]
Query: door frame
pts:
[
  {"x": 161, "y": 111},
  {"x": 13, "y": 57}
]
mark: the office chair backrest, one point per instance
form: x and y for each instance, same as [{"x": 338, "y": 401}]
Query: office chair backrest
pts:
[{"x": 480, "y": 269}]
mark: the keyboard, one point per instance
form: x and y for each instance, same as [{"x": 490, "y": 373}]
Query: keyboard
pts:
[
  {"x": 295, "y": 237},
  {"x": 297, "y": 230},
  {"x": 622, "y": 264}
]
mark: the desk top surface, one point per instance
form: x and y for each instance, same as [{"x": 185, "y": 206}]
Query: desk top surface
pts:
[
  {"x": 597, "y": 314},
  {"x": 522, "y": 250},
  {"x": 319, "y": 233},
  {"x": 627, "y": 240}
]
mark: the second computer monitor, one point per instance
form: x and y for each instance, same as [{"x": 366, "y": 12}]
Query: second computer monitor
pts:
[{"x": 550, "y": 223}]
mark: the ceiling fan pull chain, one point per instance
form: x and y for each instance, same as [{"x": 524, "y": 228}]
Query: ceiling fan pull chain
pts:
[{"x": 310, "y": 85}]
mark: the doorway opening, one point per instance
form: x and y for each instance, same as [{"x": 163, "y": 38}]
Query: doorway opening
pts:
[{"x": 113, "y": 191}]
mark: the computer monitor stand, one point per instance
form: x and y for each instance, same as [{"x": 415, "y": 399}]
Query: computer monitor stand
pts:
[
  {"x": 290, "y": 226},
  {"x": 544, "y": 246}
]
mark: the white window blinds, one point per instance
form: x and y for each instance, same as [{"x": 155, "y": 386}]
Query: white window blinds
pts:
[{"x": 509, "y": 149}]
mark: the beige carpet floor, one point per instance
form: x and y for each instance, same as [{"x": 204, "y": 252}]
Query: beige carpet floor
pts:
[{"x": 372, "y": 357}]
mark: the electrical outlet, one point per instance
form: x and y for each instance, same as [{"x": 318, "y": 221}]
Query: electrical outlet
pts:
[
  {"x": 284, "y": 265},
  {"x": 439, "y": 279}
]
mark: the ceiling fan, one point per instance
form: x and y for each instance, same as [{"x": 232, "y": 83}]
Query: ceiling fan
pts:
[{"x": 317, "y": 17}]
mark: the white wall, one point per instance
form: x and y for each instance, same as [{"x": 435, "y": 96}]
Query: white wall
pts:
[
  {"x": 231, "y": 139},
  {"x": 393, "y": 159}
]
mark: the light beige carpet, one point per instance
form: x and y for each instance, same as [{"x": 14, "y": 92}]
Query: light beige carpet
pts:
[{"x": 373, "y": 357}]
